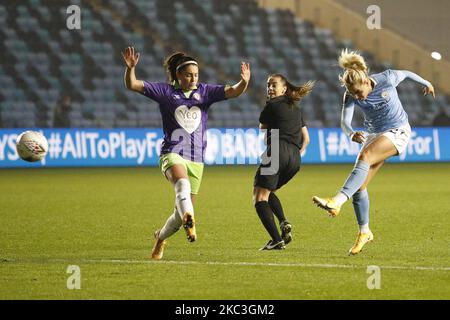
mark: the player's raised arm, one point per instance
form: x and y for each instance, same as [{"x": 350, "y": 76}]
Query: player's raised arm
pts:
[
  {"x": 400, "y": 75},
  {"x": 241, "y": 86},
  {"x": 131, "y": 59}
]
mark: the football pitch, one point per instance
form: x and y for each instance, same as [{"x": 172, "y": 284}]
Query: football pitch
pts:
[{"x": 102, "y": 221}]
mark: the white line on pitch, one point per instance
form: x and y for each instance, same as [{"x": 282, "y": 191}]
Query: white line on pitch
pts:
[{"x": 261, "y": 264}]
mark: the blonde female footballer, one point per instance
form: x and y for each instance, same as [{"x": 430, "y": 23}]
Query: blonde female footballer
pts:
[{"x": 387, "y": 133}]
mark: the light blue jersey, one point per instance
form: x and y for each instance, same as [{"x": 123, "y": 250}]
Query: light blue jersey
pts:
[{"x": 382, "y": 108}]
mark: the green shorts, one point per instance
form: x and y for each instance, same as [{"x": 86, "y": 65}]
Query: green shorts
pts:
[{"x": 194, "y": 169}]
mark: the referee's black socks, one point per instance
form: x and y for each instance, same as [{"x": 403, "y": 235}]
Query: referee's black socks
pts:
[
  {"x": 265, "y": 213},
  {"x": 276, "y": 207}
]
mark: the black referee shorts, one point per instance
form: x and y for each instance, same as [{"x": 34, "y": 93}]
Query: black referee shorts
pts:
[{"x": 289, "y": 165}]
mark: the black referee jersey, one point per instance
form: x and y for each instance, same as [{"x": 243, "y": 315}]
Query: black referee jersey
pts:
[{"x": 287, "y": 118}]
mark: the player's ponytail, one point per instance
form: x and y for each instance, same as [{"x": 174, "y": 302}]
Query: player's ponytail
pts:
[
  {"x": 355, "y": 68},
  {"x": 295, "y": 93},
  {"x": 176, "y": 62}
]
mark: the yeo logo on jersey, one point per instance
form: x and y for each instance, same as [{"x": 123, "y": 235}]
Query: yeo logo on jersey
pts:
[{"x": 188, "y": 118}]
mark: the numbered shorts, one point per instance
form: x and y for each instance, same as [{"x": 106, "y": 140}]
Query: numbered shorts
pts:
[
  {"x": 398, "y": 136},
  {"x": 194, "y": 169},
  {"x": 289, "y": 165}
]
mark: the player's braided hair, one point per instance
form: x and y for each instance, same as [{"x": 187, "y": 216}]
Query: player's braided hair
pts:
[
  {"x": 294, "y": 93},
  {"x": 355, "y": 68},
  {"x": 176, "y": 62}
]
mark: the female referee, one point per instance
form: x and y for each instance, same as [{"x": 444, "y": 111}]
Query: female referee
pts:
[
  {"x": 388, "y": 133},
  {"x": 285, "y": 127},
  {"x": 184, "y": 104}
]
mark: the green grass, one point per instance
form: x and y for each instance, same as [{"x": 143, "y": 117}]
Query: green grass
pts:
[{"x": 53, "y": 218}]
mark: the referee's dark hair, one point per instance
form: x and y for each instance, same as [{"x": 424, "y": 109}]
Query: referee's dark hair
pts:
[
  {"x": 294, "y": 93},
  {"x": 174, "y": 60}
]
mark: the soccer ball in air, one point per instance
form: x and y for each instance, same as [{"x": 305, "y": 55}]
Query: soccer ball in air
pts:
[{"x": 31, "y": 146}]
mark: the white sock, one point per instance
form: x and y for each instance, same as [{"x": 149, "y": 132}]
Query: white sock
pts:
[
  {"x": 364, "y": 228},
  {"x": 340, "y": 198},
  {"x": 183, "y": 197},
  {"x": 172, "y": 225}
]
